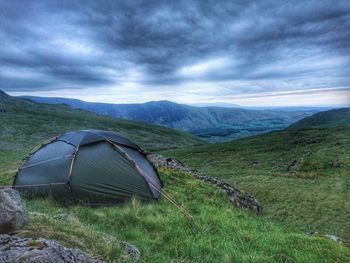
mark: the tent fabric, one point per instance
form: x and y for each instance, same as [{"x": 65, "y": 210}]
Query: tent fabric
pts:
[
  {"x": 97, "y": 167},
  {"x": 90, "y": 136},
  {"x": 147, "y": 167}
]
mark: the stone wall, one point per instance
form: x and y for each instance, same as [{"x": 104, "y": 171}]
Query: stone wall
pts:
[{"x": 238, "y": 198}]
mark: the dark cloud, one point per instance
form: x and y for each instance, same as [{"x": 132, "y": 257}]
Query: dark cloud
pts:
[{"x": 268, "y": 45}]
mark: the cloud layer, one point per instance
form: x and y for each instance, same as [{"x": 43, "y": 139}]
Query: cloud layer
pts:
[{"x": 180, "y": 50}]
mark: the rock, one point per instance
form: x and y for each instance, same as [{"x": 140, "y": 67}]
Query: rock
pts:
[
  {"x": 239, "y": 199},
  {"x": 16, "y": 250},
  {"x": 13, "y": 213},
  {"x": 130, "y": 251},
  {"x": 62, "y": 217},
  {"x": 331, "y": 237},
  {"x": 293, "y": 166},
  {"x": 334, "y": 238},
  {"x": 336, "y": 163}
]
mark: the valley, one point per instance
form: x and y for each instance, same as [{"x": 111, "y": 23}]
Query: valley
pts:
[{"x": 214, "y": 124}]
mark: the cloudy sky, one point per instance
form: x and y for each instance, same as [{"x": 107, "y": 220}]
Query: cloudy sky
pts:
[{"x": 243, "y": 52}]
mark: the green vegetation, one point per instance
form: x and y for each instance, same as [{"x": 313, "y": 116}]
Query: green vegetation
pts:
[
  {"x": 332, "y": 118},
  {"x": 219, "y": 232},
  {"x": 314, "y": 196}
]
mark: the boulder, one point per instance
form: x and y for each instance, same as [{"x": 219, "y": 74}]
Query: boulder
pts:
[
  {"x": 13, "y": 213},
  {"x": 15, "y": 250}
]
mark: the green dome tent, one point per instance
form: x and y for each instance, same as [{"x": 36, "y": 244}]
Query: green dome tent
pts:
[{"x": 97, "y": 167}]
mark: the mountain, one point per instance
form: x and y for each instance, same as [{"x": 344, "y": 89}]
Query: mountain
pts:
[
  {"x": 25, "y": 122},
  {"x": 215, "y": 124},
  {"x": 274, "y": 108},
  {"x": 216, "y": 104},
  {"x": 300, "y": 174},
  {"x": 218, "y": 232}
]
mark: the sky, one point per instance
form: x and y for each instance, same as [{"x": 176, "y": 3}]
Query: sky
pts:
[{"x": 252, "y": 53}]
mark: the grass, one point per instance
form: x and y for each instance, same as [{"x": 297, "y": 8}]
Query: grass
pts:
[
  {"x": 316, "y": 197},
  {"x": 218, "y": 233}
]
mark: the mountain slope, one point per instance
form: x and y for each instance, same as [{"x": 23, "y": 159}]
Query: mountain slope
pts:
[
  {"x": 326, "y": 119},
  {"x": 301, "y": 175},
  {"x": 213, "y": 123},
  {"x": 25, "y": 124}
]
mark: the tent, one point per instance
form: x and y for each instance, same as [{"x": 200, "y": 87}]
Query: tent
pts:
[{"x": 92, "y": 166}]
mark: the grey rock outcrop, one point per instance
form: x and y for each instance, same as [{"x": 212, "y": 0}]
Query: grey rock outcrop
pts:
[
  {"x": 13, "y": 213},
  {"x": 238, "y": 198},
  {"x": 16, "y": 250}
]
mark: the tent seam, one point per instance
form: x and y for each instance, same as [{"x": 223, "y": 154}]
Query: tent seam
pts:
[{"x": 137, "y": 168}]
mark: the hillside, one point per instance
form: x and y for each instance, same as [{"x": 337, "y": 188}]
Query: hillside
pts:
[
  {"x": 326, "y": 119},
  {"x": 212, "y": 123},
  {"x": 24, "y": 124},
  {"x": 218, "y": 233},
  {"x": 300, "y": 174}
]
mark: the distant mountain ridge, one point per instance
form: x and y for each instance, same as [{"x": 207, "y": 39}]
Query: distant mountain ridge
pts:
[
  {"x": 212, "y": 123},
  {"x": 39, "y": 121}
]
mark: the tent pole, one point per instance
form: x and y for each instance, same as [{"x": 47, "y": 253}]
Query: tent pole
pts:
[{"x": 72, "y": 162}]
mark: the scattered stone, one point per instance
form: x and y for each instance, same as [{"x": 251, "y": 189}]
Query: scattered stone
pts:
[
  {"x": 13, "y": 213},
  {"x": 331, "y": 237},
  {"x": 307, "y": 153},
  {"x": 239, "y": 199},
  {"x": 334, "y": 238},
  {"x": 255, "y": 163},
  {"x": 293, "y": 166},
  {"x": 16, "y": 250},
  {"x": 109, "y": 238},
  {"x": 129, "y": 251},
  {"x": 62, "y": 217},
  {"x": 336, "y": 163}
]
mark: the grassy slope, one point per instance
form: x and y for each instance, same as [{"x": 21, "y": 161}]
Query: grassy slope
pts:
[
  {"x": 221, "y": 233},
  {"x": 326, "y": 119},
  {"x": 26, "y": 124},
  {"x": 315, "y": 198}
]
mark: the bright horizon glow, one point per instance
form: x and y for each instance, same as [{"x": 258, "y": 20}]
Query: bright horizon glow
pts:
[{"x": 331, "y": 97}]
